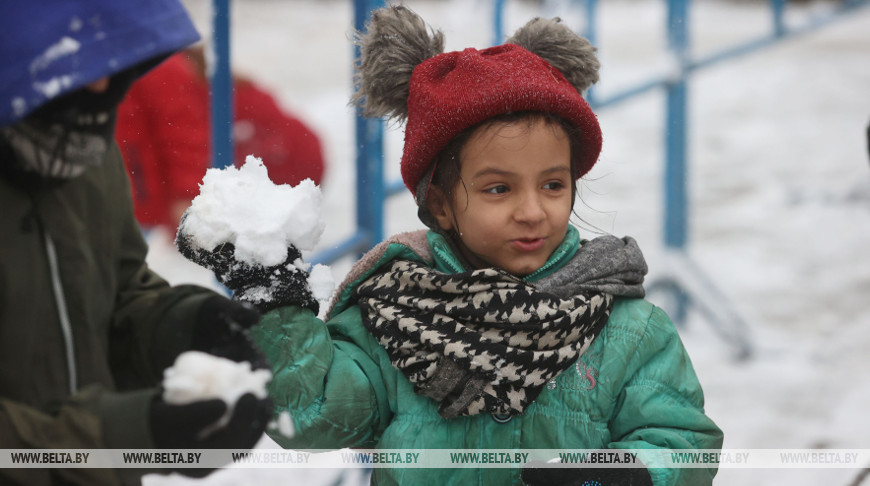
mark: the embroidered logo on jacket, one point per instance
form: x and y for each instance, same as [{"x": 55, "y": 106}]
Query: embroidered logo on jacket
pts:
[{"x": 586, "y": 376}]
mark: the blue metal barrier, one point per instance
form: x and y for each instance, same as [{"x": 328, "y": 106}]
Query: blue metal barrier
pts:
[
  {"x": 373, "y": 190},
  {"x": 676, "y": 143},
  {"x": 221, "y": 88}
]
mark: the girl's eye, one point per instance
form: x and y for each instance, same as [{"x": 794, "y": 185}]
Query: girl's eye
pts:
[
  {"x": 554, "y": 186},
  {"x": 496, "y": 189}
]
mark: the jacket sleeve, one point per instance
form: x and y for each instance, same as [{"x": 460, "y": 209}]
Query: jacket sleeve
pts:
[
  {"x": 331, "y": 387},
  {"x": 146, "y": 323},
  {"x": 75, "y": 424},
  {"x": 661, "y": 405},
  {"x": 152, "y": 322}
]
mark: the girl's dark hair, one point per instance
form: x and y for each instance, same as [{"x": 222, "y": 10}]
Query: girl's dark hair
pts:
[{"x": 446, "y": 175}]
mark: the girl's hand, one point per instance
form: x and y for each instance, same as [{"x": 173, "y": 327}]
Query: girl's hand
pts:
[{"x": 264, "y": 287}]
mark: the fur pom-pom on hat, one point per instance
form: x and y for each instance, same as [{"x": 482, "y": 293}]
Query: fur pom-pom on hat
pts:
[
  {"x": 555, "y": 43},
  {"x": 395, "y": 42},
  {"x": 403, "y": 75}
]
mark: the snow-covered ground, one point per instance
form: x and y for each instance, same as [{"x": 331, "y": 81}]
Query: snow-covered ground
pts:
[{"x": 779, "y": 188}]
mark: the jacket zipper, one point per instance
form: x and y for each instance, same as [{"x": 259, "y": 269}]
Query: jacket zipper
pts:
[{"x": 62, "y": 313}]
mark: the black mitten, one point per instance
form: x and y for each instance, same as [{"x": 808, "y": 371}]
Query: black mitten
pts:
[
  {"x": 266, "y": 288},
  {"x": 191, "y": 426},
  {"x": 222, "y": 329},
  {"x": 542, "y": 474}
]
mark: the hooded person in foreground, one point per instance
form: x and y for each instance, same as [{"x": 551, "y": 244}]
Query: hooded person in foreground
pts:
[{"x": 86, "y": 329}]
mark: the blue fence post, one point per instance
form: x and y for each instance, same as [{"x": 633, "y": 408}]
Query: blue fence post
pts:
[
  {"x": 221, "y": 88},
  {"x": 777, "y": 8},
  {"x": 590, "y": 31},
  {"x": 370, "y": 186},
  {"x": 688, "y": 285},
  {"x": 676, "y": 128},
  {"x": 371, "y": 189},
  {"x": 498, "y": 22}
]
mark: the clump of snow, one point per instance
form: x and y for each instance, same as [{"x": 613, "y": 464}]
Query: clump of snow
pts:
[
  {"x": 284, "y": 424},
  {"x": 64, "y": 47},
  {"x": 261, "y": 219},
  {"x": 53, "y": 86},
  {"x": 320, "y": 280},
  {"x": 197, "y": 376},
  {"x": 19, "y": 106}
]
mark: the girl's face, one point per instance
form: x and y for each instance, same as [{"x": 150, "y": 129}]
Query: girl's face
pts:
[{"x": 512, "y": 204}]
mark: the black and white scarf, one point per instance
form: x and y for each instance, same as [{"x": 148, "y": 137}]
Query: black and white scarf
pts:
[{"x": 481, "y": 341}]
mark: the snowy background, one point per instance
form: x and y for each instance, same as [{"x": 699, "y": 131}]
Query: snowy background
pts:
[{"x": 779, "y": 185}]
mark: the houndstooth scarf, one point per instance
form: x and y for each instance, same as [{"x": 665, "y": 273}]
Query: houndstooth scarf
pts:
[{"x": 481, "y": 341}]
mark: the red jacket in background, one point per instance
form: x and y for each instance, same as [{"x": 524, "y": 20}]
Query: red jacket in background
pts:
[
  {"x": 164, "y": 133},
  {"x": 289, "y": 149}
]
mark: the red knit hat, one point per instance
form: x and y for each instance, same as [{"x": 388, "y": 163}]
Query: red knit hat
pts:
[
  {"x": 456, "y": 90},
  {"x": 403, "y": 74}
]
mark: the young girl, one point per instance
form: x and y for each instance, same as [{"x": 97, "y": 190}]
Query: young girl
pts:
[{"x": 498, "y": 327}]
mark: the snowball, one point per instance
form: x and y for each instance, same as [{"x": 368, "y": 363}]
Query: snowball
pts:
[
  {"x": 284, "y": 424},
  {"x": 197, "y": 376},
  {"x": 321, "y": 282},
  {"x": 243, "y": 207}
]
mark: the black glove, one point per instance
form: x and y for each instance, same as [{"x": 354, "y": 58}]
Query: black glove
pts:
[
  {"x": 189, "y": 426},
  {"x": 576, "y": 475},
  {"x": 266, "y": 288},
  {"x": 222, "y": 329}
]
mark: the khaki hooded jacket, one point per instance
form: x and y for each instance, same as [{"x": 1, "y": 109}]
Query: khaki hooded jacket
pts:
[{"x": 86, "y": 328}]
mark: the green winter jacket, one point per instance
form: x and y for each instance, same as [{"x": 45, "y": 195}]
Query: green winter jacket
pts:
[
  {"x": 634, "y": 388},
  {"x": 84, "y": 380}
]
